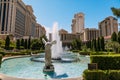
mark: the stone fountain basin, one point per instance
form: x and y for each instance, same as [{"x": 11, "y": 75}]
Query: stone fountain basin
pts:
[{"x": 62, "y": 60}]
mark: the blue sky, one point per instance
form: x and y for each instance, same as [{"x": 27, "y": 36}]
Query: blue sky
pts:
[{"x": 62, "y": 11}]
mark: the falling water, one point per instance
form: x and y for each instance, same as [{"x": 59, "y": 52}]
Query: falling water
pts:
[{"x": 57, "y": 48}]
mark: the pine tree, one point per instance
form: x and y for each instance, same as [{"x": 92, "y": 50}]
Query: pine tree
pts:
[
  {"x": 18, "y": 44},
  {"x": 102, "y": 42},
  {"x": 98, "y": 44},
  {"x": 22, "y": 42},
  {"x": 114, "y": 37},
  {"x": 26, "y": 44},
  {"x": 7, "y": 43},
  {"x": 119, "y": 37},
  {"x": 29, "y": 43}
]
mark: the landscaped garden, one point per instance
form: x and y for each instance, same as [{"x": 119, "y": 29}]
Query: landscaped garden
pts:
[{"x": 104, "y": 55}]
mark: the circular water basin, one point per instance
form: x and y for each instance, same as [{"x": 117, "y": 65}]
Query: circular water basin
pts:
[{"x": 25, "y": 68}]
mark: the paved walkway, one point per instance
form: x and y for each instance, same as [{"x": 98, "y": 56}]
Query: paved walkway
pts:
[{"x": 5, "y": 77}]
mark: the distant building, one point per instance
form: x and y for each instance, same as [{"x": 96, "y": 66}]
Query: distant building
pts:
[
  {"x": 78, "y": 23},
  {"x": 108, "y": 26},
  {"x": 91, "y": 33},
  {"x": 67, "y": 38},
  {"x": 40, "y": 31},
  {"x": 17, "y": 19}
]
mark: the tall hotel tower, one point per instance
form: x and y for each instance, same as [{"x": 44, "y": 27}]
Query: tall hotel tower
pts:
[
  {"x": 108, "y": 26},
  {"x": 78, "y": 23},
  {"x": 16, "y": 18}
]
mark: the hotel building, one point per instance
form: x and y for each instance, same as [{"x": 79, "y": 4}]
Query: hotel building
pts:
[
  {"x": 78, "y": 23},
  {"x": 91, "y": 33},
  {"x": 17, "y": 19},
  {"x": 40, "y": 30},
  {"x": 108, "y": 26},
  {"x": 67, "y": 38}
]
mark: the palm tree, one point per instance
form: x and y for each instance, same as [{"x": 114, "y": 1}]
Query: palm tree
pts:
[{"x": 116, "y": 12}]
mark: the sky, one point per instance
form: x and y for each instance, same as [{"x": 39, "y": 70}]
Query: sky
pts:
[{"x": 62, "y": 11}]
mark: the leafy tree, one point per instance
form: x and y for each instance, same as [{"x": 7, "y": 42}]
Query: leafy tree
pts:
[
  {"x": 35, "y": 44},
  {"x": 114, "y": 37},
  {"x": 102, "y": 42},
  {"x": 18, "y": 44},
  {"x": 112, "y": 45},
  {"x": 7, "y": 43},
  {"x": 26, "y": 44},
  {"x": 2, "y": 43},
  {"x": 12, "y": 45},
  {"x": 76, "y": 44}
]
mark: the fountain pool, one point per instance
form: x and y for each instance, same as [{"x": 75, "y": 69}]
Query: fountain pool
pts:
[{"x": 25, "y": 68}]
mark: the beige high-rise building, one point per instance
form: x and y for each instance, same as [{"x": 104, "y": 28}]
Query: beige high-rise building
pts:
[
  {"x": 40, "y": 31},
  {"x": 16, "y": 18},
  {"x": 91, "y": 33},
  {"x": 78, "y": 23},
  {"x": 108, "y": 26},
  {"x": 30, "y": 22}
]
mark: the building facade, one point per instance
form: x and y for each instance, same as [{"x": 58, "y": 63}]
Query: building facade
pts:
[
  {"x": 78, "y": 23},
  {"x": 108, "y": 26},
  {"x": 40, "y": 31},
  {"x": 91, "y": 33},
  {"x": 30, "y": 22},
  {"x": 67, "y": 38},
  {"x": 17, "y": 19}
]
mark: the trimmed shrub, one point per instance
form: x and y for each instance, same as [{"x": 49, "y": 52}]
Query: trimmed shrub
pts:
[
  {"x": 75, "y": 51},
  {"x": 2, "y": 53},
  {"x": 84, "y": 53},
  {"x": 0, "y": 59},
  {"x": 114, "y": 75},
  {"x": 106, "y": 62},
  {"x": 94, "y": 75},
  {"x": 101, "y": 75},
  {"x": 99, "y": 53}
]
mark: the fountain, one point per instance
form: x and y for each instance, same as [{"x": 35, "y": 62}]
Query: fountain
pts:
[
  {"x": 57, "y": 48},
  {"x": 48, "y": 65},
  {"x": 53, "y": 64}
]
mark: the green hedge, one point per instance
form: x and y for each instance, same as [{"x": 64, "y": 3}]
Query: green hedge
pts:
[
  {"x": 2, "y": 53},
  {"x": 94, "y": 75},
  {"x": 0, "y": 59},
  {"x": 75, "y": 51},
  {"x": 106, "y": 62},
  {"x": 99, "y": 53},
  {"x": 101, "y": 75},
  {"x": 84, "y": 53},
  {"x": 114, "y": 75}
]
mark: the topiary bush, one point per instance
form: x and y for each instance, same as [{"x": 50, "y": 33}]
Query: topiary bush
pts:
[
  {"x": 114, "y": 75},
  {"x": 101, "y": 75},
  {"x": 84, "y": 53},
  {"x": 94, "y": 75},
  {"x": 2, "y": 53},
  {"x": 106, "y": 62},
  {"x": 0, "y": 59}
]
